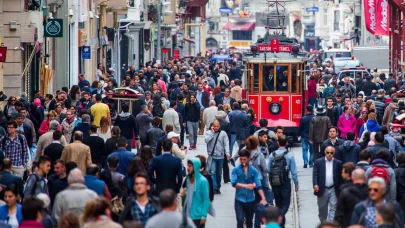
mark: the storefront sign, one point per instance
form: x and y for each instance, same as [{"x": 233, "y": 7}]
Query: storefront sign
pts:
[
  {"x": 370, "y": 15},
  {"x": 312, "y": 9},
  {"x": 267, "y": 48},
  {"x": 382, "y": 14},
  {"x": 239, "y": 43},
  {"x": 309, "y": 33},
  {"x": 54, "y": 28},
  {"x": 176, "y": 54},
  {"x": 86, "y": 52},
  {"x": 3, "y": 53}
]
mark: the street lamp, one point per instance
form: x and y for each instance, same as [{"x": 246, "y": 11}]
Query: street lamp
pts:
[{"x": 160, "y": 9}]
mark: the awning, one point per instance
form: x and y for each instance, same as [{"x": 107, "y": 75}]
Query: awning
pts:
[{"x": 239, "y": 26}]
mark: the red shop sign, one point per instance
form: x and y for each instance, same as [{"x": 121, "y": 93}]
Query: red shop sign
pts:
[
  {"x": 176, "y": 54},
  {"x": 3, "y": 52}
]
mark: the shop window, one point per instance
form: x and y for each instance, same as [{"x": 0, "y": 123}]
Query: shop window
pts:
[
  {"x": 242, "y": 35},
  {"x": 256, "y": 78}
]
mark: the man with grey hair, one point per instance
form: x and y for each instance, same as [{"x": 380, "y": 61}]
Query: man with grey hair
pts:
[
  {"x": 209, "y": 115},
  {"x": 350, "y": 196},
  {"x": 77, "y": 152},
  {"x": 83, "y": 127},
  {"x": 365, "y": 212},
  {"x": 74, "y": 197},
  {"x": 47, "y": 138}
]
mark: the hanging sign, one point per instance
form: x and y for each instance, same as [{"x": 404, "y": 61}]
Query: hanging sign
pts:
[
  {"x": 382, "y": 15},
  {"x": 53, "y": 28},
  {"x": 369, "y": 15},
  {"x": 86, "y": 52},
  {"x": 3, "y": 52}
]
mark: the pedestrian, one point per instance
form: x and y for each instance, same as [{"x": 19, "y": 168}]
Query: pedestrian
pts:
[
  {"x": 44, "y": 128},
  {"x": 399, "y": 176},
  {"x": 326, "y": 181},
  {"x": 226, "y": 127},
  {"x": 36, "y": 182},
  {"x": 31, "y": 213},
  {"x": 124, "y": 156},
  {"x": 8, "y": 178},
  {"x": 93, "y": 183},
  {"x": 365, "y": 211},
  {"x": 59, "y": 172},
  {"x": 153, "y": 134},
  {"x": 83, "y": 127},
  {"x": 333, "y": 140},
  {"x": 370, "y": 126},
  {"x": 11, "y": 212},
  {"x": 271, "y": 217},
  {"x": 209, "y": 114},
  {"x": 350, "y": 196},
  {"x": 104, "y": 131},
  {"x": 96, "y": 145},
  {"x": 55, "y": 149},
  {"x": 169, "y": 217},
  {"x": 168, "y": 129},
  {"x": 332, "y": 111},
  {"x": 127, "y": 124},
  {"x": 177, "y": 151},
  {"x": 394, "y": 145},
  {"x": 171, "y": 117},
  {"x": 77, "y": 152},
  {"x": 217, "y": 146},
  {"x": 364, "y": 160},
  {"x": 378, "y": 146},
  {"x": 99, "y": 110},
  {"x": 386, "y": 216},
  {"x": 318, "y": 131},
  {"x": 143, "y": 122},
  {"x": 348, "y": 151},
  {"x": 196, "y": 194},
  {"x": 381, "y": 168},
  {"x": 245, "y": 178},
  {"x": 281, "y": 169},
  {"x": 74, "y": 197},
  {"x": 117, "y": 178},
  {"x": 347, "y": 170},
  {"x": 312, "y": 93},
  {"x": 140, "y": 207},
  {"x": 165, "y": 171},
  {"x": 203, "y": 100},
  {"x": 347, "y": 121},
  {"x": 97, "y": 213},
  {"x": 68, "y": 124},
  {"x": 239, "y": 121},
  {"x": 23, "y": 129},
  {"x": 305, "y": 124},
  {"x": 192, "y": 117}
]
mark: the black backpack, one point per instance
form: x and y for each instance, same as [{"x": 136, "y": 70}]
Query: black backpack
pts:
[
  {"x": 279, "y": 170},
  {"x": 157, "y": 110}
]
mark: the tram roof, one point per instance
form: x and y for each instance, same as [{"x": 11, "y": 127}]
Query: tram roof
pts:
[{"x": 271, "y": 57}]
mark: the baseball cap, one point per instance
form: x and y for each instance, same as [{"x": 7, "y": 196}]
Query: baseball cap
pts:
[{"x": 172, "y": 134}]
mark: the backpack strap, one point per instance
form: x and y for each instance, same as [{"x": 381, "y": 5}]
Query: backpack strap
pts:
[{"x": 215, "y": 144}]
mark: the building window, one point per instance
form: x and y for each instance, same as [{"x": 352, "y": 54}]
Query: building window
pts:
[
  {"x": 242, "y": 35},
  {"x": 325, "y": 17},
  {"x": 336, "y": 20}
]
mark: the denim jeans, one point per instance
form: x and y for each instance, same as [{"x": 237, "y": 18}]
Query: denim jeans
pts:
[
  {"x": 282, "y": 195},
  {"x": 233, "y": 140},
  {"x": 242, "y": 211},
  {"x": 216, "y": 172},
  {"x": 313, "y": 102},
  {"x": 192, "y": 132},
  {"x": 305, "y": 147},
  {"x": 129, "y": 146}
]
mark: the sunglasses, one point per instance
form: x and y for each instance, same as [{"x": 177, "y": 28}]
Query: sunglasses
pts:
[
  {"x": 364, "y": 112},
  {"x": 329, "y": 153},
  {"x": 373, "y": 189}
]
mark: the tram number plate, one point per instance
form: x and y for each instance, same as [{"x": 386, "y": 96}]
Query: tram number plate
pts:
[{"x": 267, "y": 48}]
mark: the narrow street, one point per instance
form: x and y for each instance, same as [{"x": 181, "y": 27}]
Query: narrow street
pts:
[{"x": 224, "y": 203}]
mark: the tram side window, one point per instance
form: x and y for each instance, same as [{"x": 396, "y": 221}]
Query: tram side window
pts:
[
  {"x": 282, "y": 78},
  {"x": 256, "y": 77},
  {"x": 268, "y": 78}
]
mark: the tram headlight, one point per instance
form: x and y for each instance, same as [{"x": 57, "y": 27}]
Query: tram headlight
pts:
[
  {"x": 275, "y": 108},
  {"x": 254, "y": 49},
  {"x": 295, "y": 49}
]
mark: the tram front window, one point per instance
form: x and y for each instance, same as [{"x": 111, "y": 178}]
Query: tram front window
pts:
[
  {"x": 268, "y": 79},
  {"x": 282, "y": 78}
]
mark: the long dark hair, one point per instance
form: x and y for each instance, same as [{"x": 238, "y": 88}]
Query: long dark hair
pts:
[
  {"x": 146, "y": 156},
  {"x": 74, "y": 91},
  {"x": 367, "y": 137},
  {"x": 135, "y": 166}
]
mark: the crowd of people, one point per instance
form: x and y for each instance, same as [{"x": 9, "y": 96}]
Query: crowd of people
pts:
[{"x": 351, "y": 137}]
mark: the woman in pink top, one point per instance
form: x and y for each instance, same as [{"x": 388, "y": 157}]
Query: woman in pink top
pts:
[
  {"x": 162, "y": 84},
  {"x": 347, "y": 121}
]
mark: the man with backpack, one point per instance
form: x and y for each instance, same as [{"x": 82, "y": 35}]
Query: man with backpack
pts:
[
  {"x": 36, "y": 182},
  {"x": 381, "y": 168},
  {"x": 281, "y": 169}
]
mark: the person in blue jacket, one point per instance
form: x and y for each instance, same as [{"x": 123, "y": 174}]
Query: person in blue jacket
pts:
[
  {"x": 11, "y": 213},
  {"x": 197, "y": 201}
]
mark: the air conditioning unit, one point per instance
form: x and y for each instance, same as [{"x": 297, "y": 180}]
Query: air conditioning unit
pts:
[{"x": 13, "y": 25}]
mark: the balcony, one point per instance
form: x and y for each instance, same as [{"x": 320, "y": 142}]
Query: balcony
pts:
[{"x": 119, "y": 6}]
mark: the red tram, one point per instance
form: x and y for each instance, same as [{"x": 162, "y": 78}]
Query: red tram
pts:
[{"x": 275, "y": 85}]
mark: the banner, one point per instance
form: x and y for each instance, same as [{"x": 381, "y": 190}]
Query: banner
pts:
[
  {"x": 369, "y": 15},
  {"x": 382, "y": 15}
]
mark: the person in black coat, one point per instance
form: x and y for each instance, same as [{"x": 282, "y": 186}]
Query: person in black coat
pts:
[
  {"x": 348, "y": 151},
  {"x": 368, "y": 86},
  {"x": 127, "y": 124},
  {"x": 180, "y": 109},
  {"x": 54, "y": 150},
  {"x": 350, "y": 196},
  {"x": 62, "y": 183},
  {"x": 400, "y": 176},
  {"x": 7, "y": 178},
  {"x": 96, "y": 145},
  {"x": 165, "y": 171},
  {"x": 84, "y": 127},
  {"x": 110, "y": 145},
  {"x": 332, "y": 141},
  {"x": 327, "y": 189},
  {"x": 24, "y": 129}
]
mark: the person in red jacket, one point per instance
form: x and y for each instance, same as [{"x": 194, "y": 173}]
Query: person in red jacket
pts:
[
  {"x": 32, "y": 213},
  {"x": 312, "y": 92}
]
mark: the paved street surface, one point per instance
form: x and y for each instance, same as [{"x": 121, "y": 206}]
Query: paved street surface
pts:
[{"x": 224, "y": 203}]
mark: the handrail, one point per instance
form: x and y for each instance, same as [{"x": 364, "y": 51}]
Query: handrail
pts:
[{"x": 29, "y": 61}]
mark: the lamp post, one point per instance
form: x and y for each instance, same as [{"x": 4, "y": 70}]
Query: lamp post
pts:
[{"x": 158, "y": 48}]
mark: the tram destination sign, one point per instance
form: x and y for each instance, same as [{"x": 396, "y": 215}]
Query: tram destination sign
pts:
[{"x": 267, "y": 48}]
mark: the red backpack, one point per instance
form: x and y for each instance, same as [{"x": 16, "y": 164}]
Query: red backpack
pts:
[{"x": 382, "y": 172}]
